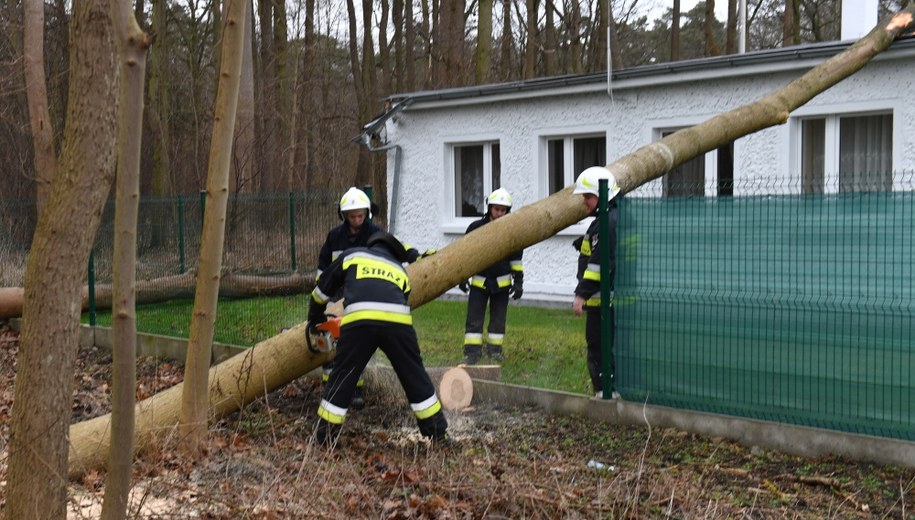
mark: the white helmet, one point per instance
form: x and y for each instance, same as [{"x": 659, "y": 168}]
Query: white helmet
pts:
[
  {"x": 587, "y": 182},
  {"x": 500, "y": 197},
  {"x": 354, "y": 198}
]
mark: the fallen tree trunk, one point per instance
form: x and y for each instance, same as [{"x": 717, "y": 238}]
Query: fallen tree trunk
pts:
[
  {"x": 175, "y": 287},
  {"x": 279, "y": 360},
  {"x": 233, "y": 383}
]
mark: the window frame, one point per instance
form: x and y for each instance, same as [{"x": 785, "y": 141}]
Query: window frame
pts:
[
  {"x": 658, "y": 187},
  {"x": 454, "y": 223},
  {"x": 543, "y": 162},
  {"x": 568, "y": 159},
  {"x": 832, "y": 114}
]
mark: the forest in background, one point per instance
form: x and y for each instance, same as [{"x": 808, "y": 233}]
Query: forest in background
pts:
[{"x": 309, "y": 85}]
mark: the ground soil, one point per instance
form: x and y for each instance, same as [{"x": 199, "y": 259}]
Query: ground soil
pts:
[{"x": 508, "y": 463}]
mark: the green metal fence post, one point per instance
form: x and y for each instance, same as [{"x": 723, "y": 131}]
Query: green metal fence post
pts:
[
  {"x": 606, "y": 323},
  {"x": 91, "y": 288},
  {"x": 292, "y": 229},
  {"x": 181, "y": 266}
]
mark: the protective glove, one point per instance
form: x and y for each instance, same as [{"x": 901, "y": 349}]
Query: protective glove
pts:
[
  {"x": 577, "y": 243},
  {"x": 428, "y": 252},
  {"x": 516, "y": 291},
  {"x": 464, "y": 287},
  {"x": 312, "y": 328},
  {"x": 517, "y": 288},
  {"x": 316, "y": 317}
]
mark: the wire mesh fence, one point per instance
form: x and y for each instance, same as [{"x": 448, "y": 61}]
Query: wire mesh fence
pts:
[
  {"x": 271, "y": 246},
  {"x": 784, "y": 307}
]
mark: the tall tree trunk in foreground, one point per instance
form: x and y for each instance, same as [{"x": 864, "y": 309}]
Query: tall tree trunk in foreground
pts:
[
  {"x": 278, "y": 360},
  {"x": 195, "y": 403},
  {"x": 36, "y": 91},
  {"x": 36, "y": 487},
  {"x": 132, "y": 44}
]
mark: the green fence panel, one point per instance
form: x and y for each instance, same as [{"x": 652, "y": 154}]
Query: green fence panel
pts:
[{"x": 787, "y": 308}]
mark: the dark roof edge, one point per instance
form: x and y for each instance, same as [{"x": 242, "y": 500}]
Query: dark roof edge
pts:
[{"x": 780, "y": 55}]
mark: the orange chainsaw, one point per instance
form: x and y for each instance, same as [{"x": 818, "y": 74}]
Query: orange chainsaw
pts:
[{"x": 325, "y": 339}]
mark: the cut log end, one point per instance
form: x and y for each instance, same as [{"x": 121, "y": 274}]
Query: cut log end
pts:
[{"x": 455, "y": 390}]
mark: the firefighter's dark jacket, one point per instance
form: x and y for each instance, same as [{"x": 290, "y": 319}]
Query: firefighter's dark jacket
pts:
[
  {"x": 339, "y": 239},
  {"x": 375, "y": 288},
  {"x": 497, "y": 277},
  {"x": 589, "y": 259}
]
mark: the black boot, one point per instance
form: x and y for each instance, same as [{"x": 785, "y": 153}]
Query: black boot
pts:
[
  {"x": 435, "y": 428},
  {"x": 472, "y": 354},
  {"x": 494, "y": 352},
  {"x": 358, "y": 401},
  {"x": 327, "y": 434}
]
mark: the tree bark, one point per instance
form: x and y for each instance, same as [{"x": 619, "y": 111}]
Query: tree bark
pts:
[
  {"x": 397, "y": 66},
  {"x": 241, "y": 178},
  {"x": 54, "y": 273},
  {"x": 284, "y": 165},
  {"x": 597, "y": 45},
  {"x": 483, "y": 55},
  {"x": 159, "y": 104},
  {"x": 675, "y": 32},
  {"x": 505, "y": 43},
  {"x": 278, "y": 360},
  {"x": 573, "y": 16},
  {"x": 730, "y": 45},
  {"x": 384, "y": 51},
  {"x": 550, "y": 41},
  {"x": 711, "y": 45},
  {"x": 410, "y": 36},
  {"x": 532, "y": 42},
  {"x": 616, "y": 55},
  {"x": 36, "y": 91},
  {"x": 132, "y": 45},
  {"x": 194, "y": 403},
  {"x": 789, "y": 20}
]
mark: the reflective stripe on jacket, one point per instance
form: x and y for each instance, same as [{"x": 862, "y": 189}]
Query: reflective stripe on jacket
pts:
[
  {"x": 497, "y": 277},
  {"x": 589, "y": 260},
  {"x": 375, "y": 286}
]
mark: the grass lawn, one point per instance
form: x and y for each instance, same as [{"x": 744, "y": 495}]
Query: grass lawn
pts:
[{"x": 544, "y": 347}]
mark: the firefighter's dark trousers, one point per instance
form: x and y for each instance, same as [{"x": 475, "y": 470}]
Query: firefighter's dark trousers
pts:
[
  {"x": 476, "y": 314},
  {"x": 595, "y": 356},
  {"x": 355, "y": 347}
]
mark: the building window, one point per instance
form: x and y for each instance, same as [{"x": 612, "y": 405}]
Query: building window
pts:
[
  {"x": 477, "y": 172},
  {"x": 568, "y": 156},
  {"x": 688, "y": 179},
  {"x": 856, "y": 151}
]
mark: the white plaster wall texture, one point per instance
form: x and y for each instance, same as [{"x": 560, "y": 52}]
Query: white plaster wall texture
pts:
[{"x": 629, "y": 121}]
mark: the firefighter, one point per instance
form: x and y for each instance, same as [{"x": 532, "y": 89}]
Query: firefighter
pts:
[
  {"x": 356, "y": 213},
  {"x": 587, "y": 292},
  {"x": 493, "y": 285},
  {"x": 375, "y": 315}
]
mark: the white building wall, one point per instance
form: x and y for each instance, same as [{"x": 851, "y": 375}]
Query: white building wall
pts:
[{"x": 630, "y": 120}]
